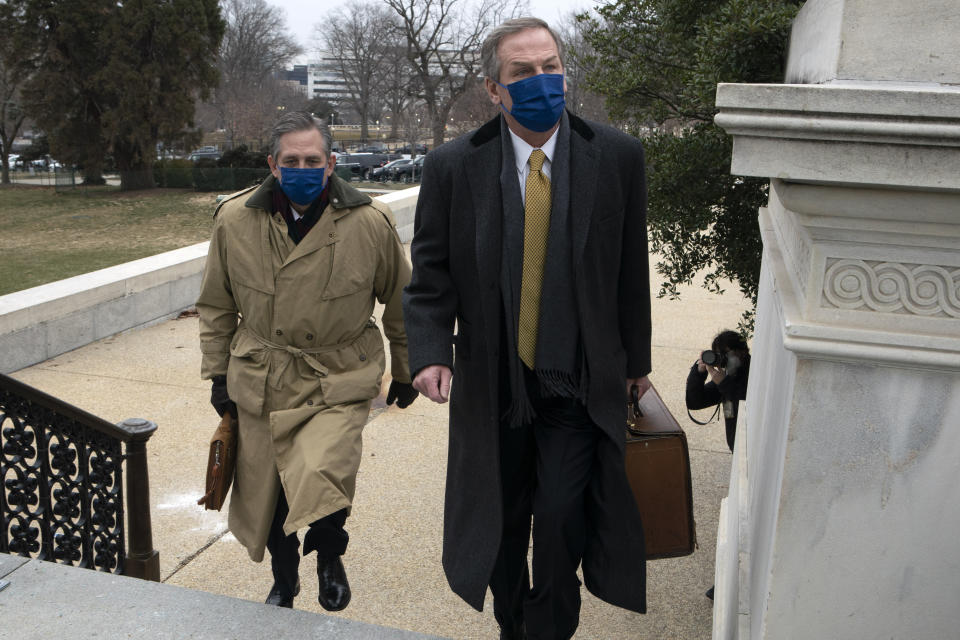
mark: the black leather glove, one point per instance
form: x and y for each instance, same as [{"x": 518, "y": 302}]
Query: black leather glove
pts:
[
  {"x": 403, "y": 393},
  {"x": 219, "y": 397}
]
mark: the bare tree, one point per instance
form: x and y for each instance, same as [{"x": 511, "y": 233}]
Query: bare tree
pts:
[
  {"x": 443, "y": 39},
  {"x": 578, "y": 52},
  {"x": 256, "y": 48},
  {"x": 410, "y": 123},
  {"x": 399, "y": 89},
  {"x": 359, "y": 39},
  {"x": 471, "y": 110},
  {"x": 253, "y": 116},
  {"x": 16, "y": 68},
  {"x": 12, "y": 114}
]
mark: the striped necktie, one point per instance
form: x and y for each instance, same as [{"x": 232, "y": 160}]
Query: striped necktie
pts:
[{"x": 536, "y": 226}]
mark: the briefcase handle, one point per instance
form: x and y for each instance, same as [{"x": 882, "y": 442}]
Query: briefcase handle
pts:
[
  {"x": 635, "y": 402},
  {"x": 215, "y": 472}
]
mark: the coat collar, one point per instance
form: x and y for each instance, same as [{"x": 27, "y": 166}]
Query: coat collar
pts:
[
  {"x": 584, "y": 175},
  {"x": 342, "y": 196},
  {"x": 482, "y": 165},
  {"x": 486, "y": 133},
  {"x": 491, "y": 130},
  {"x": 581, "y": 127}
]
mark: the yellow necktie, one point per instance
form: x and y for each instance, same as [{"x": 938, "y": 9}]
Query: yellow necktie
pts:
[{"x": 536, "y": 226}]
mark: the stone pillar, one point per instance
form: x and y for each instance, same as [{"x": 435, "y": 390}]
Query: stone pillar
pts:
[{"x": 843, "y": 517}]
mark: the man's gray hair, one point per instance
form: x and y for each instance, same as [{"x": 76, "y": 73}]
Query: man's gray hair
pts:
[
  {"x": 488, "y": 51},
  {"x": 298, "y": 121}
]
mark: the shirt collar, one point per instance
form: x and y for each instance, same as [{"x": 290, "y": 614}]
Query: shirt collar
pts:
[{"x": 522, "y": 150}]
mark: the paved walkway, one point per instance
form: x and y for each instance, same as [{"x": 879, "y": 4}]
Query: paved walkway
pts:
[{"x": 394, "y": 557}]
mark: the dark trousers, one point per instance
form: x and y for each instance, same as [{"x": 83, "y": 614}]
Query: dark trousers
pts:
[
  {"x": 326, "y": 536},
  {"x": 545, "y": 470}
]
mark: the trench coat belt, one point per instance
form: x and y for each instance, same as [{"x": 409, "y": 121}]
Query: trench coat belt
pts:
[{"x": 275, "y": 374}]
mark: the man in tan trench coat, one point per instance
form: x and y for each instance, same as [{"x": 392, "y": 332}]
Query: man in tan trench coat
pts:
[{"x": 294, "y": 270}]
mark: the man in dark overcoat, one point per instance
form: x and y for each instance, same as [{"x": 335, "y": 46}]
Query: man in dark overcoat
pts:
[{"x": 530, "y": 242}]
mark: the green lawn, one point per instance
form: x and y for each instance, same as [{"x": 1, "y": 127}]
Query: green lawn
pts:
[{"x": 46, "y": 236}]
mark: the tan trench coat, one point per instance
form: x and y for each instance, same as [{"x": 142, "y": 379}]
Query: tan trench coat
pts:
[{"x": 291, "y": 327}]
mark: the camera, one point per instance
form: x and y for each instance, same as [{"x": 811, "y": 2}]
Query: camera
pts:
[{"x": 714, "y": 359}]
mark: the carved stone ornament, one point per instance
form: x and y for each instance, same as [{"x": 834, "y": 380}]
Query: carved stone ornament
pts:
[{"x": 890, "y": 287}]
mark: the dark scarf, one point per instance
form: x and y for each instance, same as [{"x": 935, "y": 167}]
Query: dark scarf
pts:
[
  {"x": 560, "y": 367},
  {"x": 298, "y": 229}
]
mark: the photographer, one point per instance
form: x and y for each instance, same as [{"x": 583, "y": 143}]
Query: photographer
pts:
[{"x": 728, "y": 365}]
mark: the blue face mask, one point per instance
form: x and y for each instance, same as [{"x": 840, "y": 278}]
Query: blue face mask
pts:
[
  {"x": 302, "y": 186},
  {"x": 537, "y": 101}
]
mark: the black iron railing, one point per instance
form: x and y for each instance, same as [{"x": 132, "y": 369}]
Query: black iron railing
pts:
[{"x": 62, "y": 497}]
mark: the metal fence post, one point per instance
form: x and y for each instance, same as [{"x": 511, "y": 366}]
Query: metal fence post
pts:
[{"x": 143, "y": 561}]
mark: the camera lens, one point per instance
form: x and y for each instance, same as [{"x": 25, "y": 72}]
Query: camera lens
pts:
[{"x": 713, "y": 359}]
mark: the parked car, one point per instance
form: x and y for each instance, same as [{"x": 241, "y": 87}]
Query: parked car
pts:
[
  {"x": 368, "y": 161},
  {"x": 204, "y": 152},
  {"x": 382, "y": 174},
  {"x": 349, "y": 170},
  {"x": 409, "y": 172},
  {"x": 45, "y": 164},
  {"x": 419, "y": 148}
]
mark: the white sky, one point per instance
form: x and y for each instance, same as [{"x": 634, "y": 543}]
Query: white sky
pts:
[{"x": 302, "y": 15}]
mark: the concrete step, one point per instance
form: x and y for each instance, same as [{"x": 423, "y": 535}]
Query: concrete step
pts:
[{"x": 48, "y": 600}]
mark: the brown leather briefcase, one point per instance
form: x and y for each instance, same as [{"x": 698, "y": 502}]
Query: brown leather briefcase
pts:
[
  {"x": 220, "y": 463},
  {"x": 658, "y": 469}
]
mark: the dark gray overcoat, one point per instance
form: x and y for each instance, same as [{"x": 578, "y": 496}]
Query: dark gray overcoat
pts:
[{"x": 456, "y": 255}]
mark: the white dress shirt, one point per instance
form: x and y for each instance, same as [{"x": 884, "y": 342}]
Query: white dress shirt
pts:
[{"x": 521, "y": 153}]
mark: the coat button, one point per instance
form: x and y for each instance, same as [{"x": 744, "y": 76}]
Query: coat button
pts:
[
  {"x": 333, "y": 235},
  {"x": 362, "y": 357},
  {"x": 309, "y": 336},
  {"x": 310, "y": 403},
  {"x": 279, "y": 332},
  {"x": 336, "y": 201}
]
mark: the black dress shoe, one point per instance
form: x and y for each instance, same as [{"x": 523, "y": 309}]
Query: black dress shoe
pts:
[
  {"x": 334, "y": 594},
  {"x": 278, "y": 598}
]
